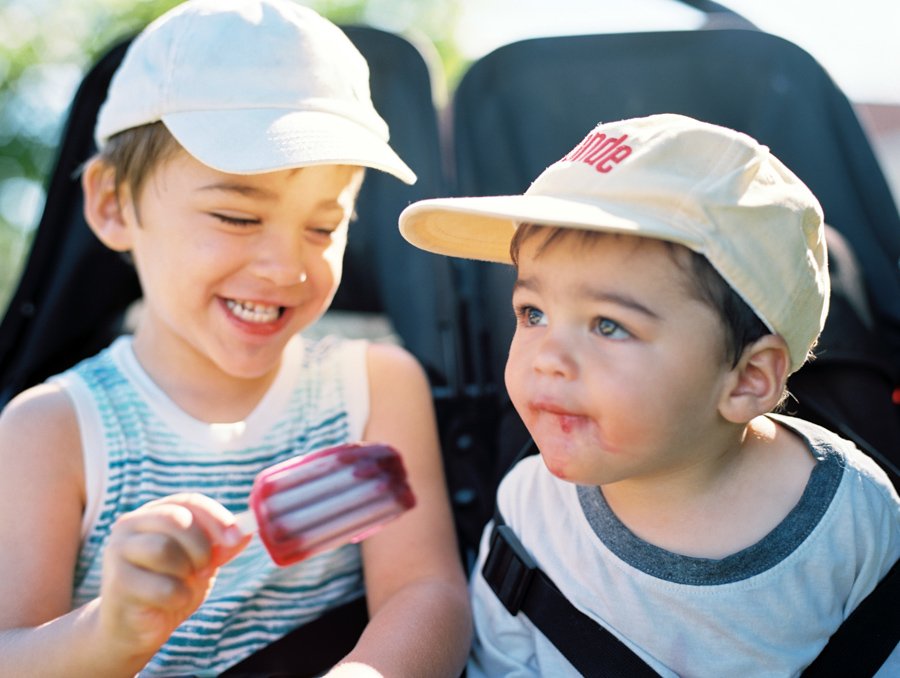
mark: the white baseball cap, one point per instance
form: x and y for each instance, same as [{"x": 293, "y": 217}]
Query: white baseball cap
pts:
[
  {"x": 712, "y": 189},
  {"x": 250, "y": 86}
]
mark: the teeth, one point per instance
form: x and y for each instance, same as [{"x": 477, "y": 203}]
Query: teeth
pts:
[{"x": 251, "y": 312}]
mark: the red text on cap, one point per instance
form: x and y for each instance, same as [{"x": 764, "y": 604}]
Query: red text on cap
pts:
[{"x": 600, "y": 151}]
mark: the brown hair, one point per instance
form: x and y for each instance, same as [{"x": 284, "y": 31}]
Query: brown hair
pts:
[{"x": 136, "y": 152}]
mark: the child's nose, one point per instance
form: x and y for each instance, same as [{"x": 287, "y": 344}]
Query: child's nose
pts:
[
  {"x": 280, "y": 258},
  {"x": 555, "y": 355}
]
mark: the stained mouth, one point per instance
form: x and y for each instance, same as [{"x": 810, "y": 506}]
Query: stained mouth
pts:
[{"x": 252, "y": 312}]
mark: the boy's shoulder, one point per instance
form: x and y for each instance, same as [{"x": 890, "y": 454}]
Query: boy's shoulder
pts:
[
  {"x": 44, "y": 406},
  {"x": 829, "y": 447},
  {"x": 45, "y": 417},
  {"x": 39, "y": 434}
]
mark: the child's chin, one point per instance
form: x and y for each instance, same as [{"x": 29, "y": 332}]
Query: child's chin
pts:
[
  {"x": 559, "y": 467},
  {"x": 256, "y": 367}
]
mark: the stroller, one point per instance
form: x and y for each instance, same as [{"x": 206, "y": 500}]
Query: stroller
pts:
[{"x": 74, "y": 295}]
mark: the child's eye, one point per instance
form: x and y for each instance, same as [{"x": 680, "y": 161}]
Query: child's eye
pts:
[
  {"x": 529, "y": 316},
  {"x": 610, "y": 329},
  {"x": 322, "y": 235},
  {"x": 235, "y": 221}
]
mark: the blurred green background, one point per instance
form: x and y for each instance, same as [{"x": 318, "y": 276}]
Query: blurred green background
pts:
[{"x": 47, "y": 45}]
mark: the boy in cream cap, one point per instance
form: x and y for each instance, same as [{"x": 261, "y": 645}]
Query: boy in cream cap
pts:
[
  {"x": 671, "y": 274},
  {"x": 232, "y": 146}
]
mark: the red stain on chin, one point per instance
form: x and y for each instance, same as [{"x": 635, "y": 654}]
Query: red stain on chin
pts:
[
  {"x": 557, "y": 465},
  {"x": 567, "y": 422},
  {"x": 557, "y": 470}
]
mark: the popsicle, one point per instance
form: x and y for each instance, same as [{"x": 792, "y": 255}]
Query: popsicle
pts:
[{"x": 322, "y": 500}]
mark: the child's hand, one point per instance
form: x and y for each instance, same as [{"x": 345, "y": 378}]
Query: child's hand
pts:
[{"x": 159, "y": 565}]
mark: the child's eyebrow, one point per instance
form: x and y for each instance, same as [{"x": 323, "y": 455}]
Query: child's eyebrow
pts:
[
  {"x": 262, "y": 193},
  {"x": 594, "y": 294},
  {"x": 239, "y": 188},
  {"x": 243, "y": 188},
  {"x": 618, "y": 298},
  {"x": 524, "y": 284}
]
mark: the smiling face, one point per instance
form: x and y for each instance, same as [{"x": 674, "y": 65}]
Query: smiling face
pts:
[
  {"x": 232, "y": 266},
  {"x": 616, "y": 366}
]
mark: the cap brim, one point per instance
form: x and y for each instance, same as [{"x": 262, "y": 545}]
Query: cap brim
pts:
[
  {"x": 482, "y": 228},
  {"x": 265, "y": 140}
]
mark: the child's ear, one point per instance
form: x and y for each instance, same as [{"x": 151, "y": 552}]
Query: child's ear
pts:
[
  {"x": 756, "y": 384},
  {"x": 103, "y": 209}
]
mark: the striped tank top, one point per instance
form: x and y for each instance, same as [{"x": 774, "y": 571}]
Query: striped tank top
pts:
[{"x": 139, "y": 446}]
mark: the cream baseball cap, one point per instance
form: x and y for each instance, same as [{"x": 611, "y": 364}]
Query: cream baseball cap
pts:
[
  {"x": 667, "y": 176},
  {"x": 249, "y": 86}
]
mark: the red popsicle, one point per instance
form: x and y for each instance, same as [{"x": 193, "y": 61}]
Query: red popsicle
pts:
[{"x": 319, "y": 501}]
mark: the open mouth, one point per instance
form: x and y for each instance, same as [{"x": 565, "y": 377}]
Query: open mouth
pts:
[{"x": 251, "y": 312}]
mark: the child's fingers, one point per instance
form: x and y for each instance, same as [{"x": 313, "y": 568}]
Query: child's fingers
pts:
[
  {"x": 164, "y": 537},
  {"x": 218, "y": 523},
  {"x": 152, "y": 589},
  {"x": 203, "y": 528},
  {"x": 160, "y": 553}
]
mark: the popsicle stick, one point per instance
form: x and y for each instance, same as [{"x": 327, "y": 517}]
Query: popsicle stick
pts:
[{"x": 246, "y": 521}]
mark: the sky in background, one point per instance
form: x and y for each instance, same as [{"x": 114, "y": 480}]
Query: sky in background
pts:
[{"x": 857, "y": 41}]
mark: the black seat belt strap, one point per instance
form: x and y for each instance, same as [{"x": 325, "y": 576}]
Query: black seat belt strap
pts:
[{"x": 523, "y": 587}]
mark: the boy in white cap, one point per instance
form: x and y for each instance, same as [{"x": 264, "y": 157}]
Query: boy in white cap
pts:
[
  {"x": 232, "y": 146},
  {"x": 671, "y": 274}
]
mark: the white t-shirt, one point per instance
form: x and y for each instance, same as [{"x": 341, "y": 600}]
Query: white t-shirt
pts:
[{"x": 765, "y": 611}]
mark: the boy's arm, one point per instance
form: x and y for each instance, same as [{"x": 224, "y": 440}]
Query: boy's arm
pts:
[
  {"x": 156, "y": 566},
  {"x": 415, "y": 585},
  {"x": 41, "y": 504}
]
